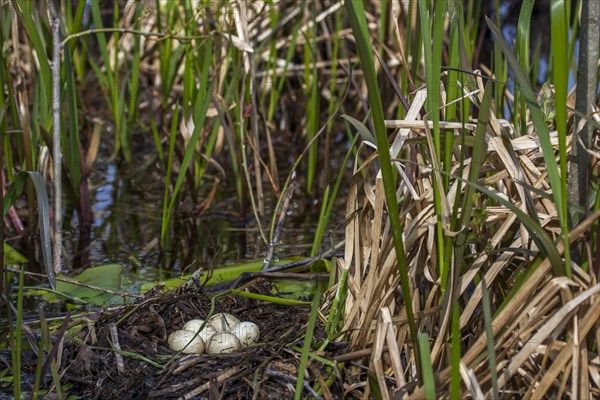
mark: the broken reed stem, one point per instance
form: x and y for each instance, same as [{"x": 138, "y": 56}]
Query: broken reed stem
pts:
[
  {"x": 114, "y": 335},
  {"x": 56, "y": 150},
  {"x": 289, "y": 192},
  {"x": 289, "y": 378}
]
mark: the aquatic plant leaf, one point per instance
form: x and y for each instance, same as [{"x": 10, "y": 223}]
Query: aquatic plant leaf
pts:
[
  {"x": 218, "y": 275},
  {"x": 103, "y": 276},
  {"x": 320, "y": 265},
  {"x": 297, "y": 289},
  {"x": 12, "y": 256}
]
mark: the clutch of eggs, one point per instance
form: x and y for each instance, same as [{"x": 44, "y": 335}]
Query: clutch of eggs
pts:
[{"x": 221, "y": 334}]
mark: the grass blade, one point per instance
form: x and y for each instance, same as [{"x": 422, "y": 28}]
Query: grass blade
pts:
[
  {"x": 202, "y": 101},
  {"x": 489, "y": 331},
  {"x": 337, "y": 304},
  {"x": 359, "y": 28},
  {"x": 329, "y": 202},
  {"x": 313, "y": 107},
  {"x": 270, "y": 299},
  {"x": 544, "y": 136},
  {"x": 312, "y": 319},
  {"x": 432, "y": 55},
  {"x": 166, "y": 219},
  {"x": 427, "y": 368},
  {"x": 560, "y": 70},
  {"x": 538, "y": 234},
  {"x": 522, "y": 49},
  {"x": 479, "y": 152},
  {"x": 25, "y": 14},
  {"x": 455, "y": 351},
  {"x": 13, "y": 192},
  {"x": 18, "y": 342}
]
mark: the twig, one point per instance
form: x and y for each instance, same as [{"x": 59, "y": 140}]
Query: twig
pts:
[
  {"x": 281, "y": 375},
  {"x": 289, "y": 192},
  {"x": 135, "y": 308},
  {"x": 172, "y": 390},
  {"x": 114, "y": 335},
  {"x": 160, "y": 35},
  {"x": 85, "y": 285},
  {"x": 355, "y": 354},
  {"x": 272, "y": 272},
  {"x": 134, "y": 356},
  {"x": 274, "y": 184},
  {"x": 186, "y": 362},
  {"x": 53, "y": 355},
  {"x": 228, "y": 373}
]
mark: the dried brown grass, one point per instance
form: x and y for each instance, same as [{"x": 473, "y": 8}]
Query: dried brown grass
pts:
[{"x": 546, "y": 337}]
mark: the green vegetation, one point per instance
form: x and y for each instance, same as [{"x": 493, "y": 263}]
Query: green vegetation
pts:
[{"x": 421, "y": 129}]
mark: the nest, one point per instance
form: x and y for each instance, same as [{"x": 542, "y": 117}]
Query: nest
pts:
[{"x": 146, "y": 368}]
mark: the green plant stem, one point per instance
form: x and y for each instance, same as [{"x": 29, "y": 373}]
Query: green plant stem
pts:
[
  {"x": 312, "y": 319},
  {"x": 359, "y": 28},
  {"x": 560, "y": 69},
  {"x": 428, "y": 378},
  {"x": 17, "y": 345}
]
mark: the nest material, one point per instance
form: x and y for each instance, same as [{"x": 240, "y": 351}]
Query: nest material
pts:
[{"x": 267, "y": 370}]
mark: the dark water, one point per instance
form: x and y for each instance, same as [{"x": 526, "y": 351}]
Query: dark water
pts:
[{"x": 127, "y": 203}]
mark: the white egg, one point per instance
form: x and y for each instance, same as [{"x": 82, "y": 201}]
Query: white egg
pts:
[
  {"x": 187, "y": 342},
  {"x": 194, "y": 325},
  {"x": 223, "y": 343},
  {"x": 223, "y": 322},
  {"x": 247, "y": 332}
]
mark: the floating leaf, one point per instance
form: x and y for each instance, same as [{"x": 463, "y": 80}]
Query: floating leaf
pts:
[
  {"x": 12, "y": 256},
  {"x": 219, "y": 275},
  {"x": 104, "y": 276},
  {"x": 298, "y": 289}
]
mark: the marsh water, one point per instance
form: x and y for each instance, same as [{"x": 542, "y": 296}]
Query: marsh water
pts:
[{"x": 127, "y": 209}]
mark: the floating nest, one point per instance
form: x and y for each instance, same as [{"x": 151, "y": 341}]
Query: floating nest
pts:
[{"x": 145, "y": 367}]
